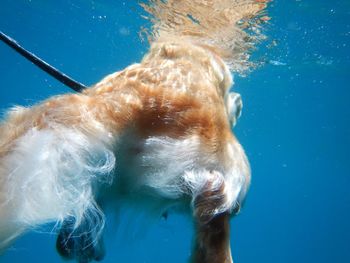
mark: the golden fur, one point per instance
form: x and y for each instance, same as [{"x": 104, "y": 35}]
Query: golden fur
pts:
[{"x": 178, "y": 91}]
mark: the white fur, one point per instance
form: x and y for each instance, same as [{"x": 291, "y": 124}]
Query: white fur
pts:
[
  {"x": 165, "y": 160},
  {"x": 178, "y": 167},
  {"x": 50, "y": 176},
  {"x": 234, "y": 107}
]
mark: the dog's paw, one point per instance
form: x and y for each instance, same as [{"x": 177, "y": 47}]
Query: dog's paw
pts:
[{"x": 83, "y": 243}]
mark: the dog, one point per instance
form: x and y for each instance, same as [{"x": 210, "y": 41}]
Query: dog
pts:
[{"x": 160, "y": 129}]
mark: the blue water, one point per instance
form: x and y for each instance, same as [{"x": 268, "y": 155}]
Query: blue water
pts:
[{"x": 295, "y": 125}]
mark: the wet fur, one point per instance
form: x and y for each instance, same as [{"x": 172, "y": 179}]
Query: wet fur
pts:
[{"x": 174, "y": 108}]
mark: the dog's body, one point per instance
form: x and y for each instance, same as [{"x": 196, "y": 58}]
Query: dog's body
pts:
[{"x": 167, "y": 119}]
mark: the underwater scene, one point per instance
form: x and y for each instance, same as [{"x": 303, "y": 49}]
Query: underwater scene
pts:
[{"x": 294, "y": 127}]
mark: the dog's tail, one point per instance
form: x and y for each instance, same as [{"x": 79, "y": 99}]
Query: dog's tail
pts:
[{"x": 230, "y": 28}]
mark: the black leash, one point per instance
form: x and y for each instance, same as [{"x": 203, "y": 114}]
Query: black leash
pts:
[{"x": 66, "y": 80}]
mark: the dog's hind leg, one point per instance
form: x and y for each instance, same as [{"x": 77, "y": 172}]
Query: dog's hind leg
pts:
[
  {"x": 84, "y": 242},
  {"x": 212, "y": 241}
]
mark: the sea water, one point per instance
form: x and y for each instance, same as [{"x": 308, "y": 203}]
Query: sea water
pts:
[{"x": 295, "y": 126}]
